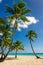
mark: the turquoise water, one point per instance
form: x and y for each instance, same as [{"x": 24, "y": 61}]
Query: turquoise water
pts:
[{"x": 27, "y": 54}]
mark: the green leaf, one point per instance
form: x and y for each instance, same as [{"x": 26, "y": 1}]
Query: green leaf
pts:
[
  {"x": 26, "y": 35},
  {"x": 24, "y": 19},
  {"x": 2, "y": 21},
  {"x": 10, "y": 18},
  {"x": 26, "y": 11},
  {"x": 22, "y": 4},
  {"x": 21, "y": 47},
  {"x": 18, "y": 45},
  {"x": 17, "y": 9},
  {"x": 9, "y": 9}
]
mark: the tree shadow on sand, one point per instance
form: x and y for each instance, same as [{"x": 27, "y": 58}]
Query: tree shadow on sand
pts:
[
  {"x": 11, "y": 58},
  {"x": 1, "y": 60},
  {"x": 40, "y": 58}
]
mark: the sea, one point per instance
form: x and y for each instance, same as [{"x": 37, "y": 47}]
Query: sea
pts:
[{"x": 27, "y": 54}]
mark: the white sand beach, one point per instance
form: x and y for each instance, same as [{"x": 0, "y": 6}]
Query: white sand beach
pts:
[{"x": 22, "y": 60}]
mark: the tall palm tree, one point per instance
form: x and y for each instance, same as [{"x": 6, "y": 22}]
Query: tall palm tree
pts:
[
  {"x": 31, "y": 35},
  {"x": 2, "y": 25},
  {"x": 18, "y": 46},
  {"x": 18, "y": 11},
  {"x": 5, "y": 38}
]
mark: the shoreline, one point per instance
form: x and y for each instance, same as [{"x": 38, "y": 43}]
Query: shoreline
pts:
[{"x": 23, "y": 56}]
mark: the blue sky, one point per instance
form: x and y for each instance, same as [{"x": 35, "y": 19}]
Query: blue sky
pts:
[{"x": 37, "y": 12}]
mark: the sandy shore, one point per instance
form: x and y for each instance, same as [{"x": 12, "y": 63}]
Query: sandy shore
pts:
[{"x": 22, "y": 60}]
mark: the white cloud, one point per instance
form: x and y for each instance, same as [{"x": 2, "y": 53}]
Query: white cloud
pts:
[
  {"x": 24, "y": 25},
  {"x": 0, "y": 1},
  {"x": 1, "y": 34},
  {"x": 13, "y": 21},
  {"x": 19, "y": 29}
]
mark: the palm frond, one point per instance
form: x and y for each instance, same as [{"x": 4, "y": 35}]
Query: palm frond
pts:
[
  {"x": 17, "y": 9},
  {"x": 10, "y": 18},
  {"x": 26, "y": 35},
  {"x": 2, "y": 21},
  {"x": 21, "y": 47},
  {"x": 9, "y": 9},
  {"x": 26, "y": 11},
  {"x": 31, "y": 35},
  {"x": 24, "y": 19},
  {"x": 21, "y": 5}
]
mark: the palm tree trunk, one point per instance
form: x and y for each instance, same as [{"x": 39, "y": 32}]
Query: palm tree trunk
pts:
[
  {"x": 10, "y": 45},
  {"x": 16, "y": 54},
  {"x": 2, "y": 56},
  {"x": 33, "y": 50},
  {"x": 11, "y": 41},
  {"x": 6, "y": 54}
]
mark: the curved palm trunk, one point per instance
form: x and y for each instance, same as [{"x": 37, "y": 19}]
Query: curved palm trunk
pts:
[
  {"x": 6, "y": 54},
  {"x": 16, "y": 54},
  {"x": 2, "y": 56},
  {"x": 33, "y": 50},
  {"x": 12, "y": 39},
  {"x": 10, "y": 44},
  {"x": 2, "y": 53}
]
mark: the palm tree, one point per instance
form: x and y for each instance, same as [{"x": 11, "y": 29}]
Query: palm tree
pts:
[
  {"x": 2, "y": 23},
  {"x": 31, "y": 35},
  {"x": 17, "y": 12},
  {"x": 18, "y": 46},
  {"x": 5, "y": 38}
]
